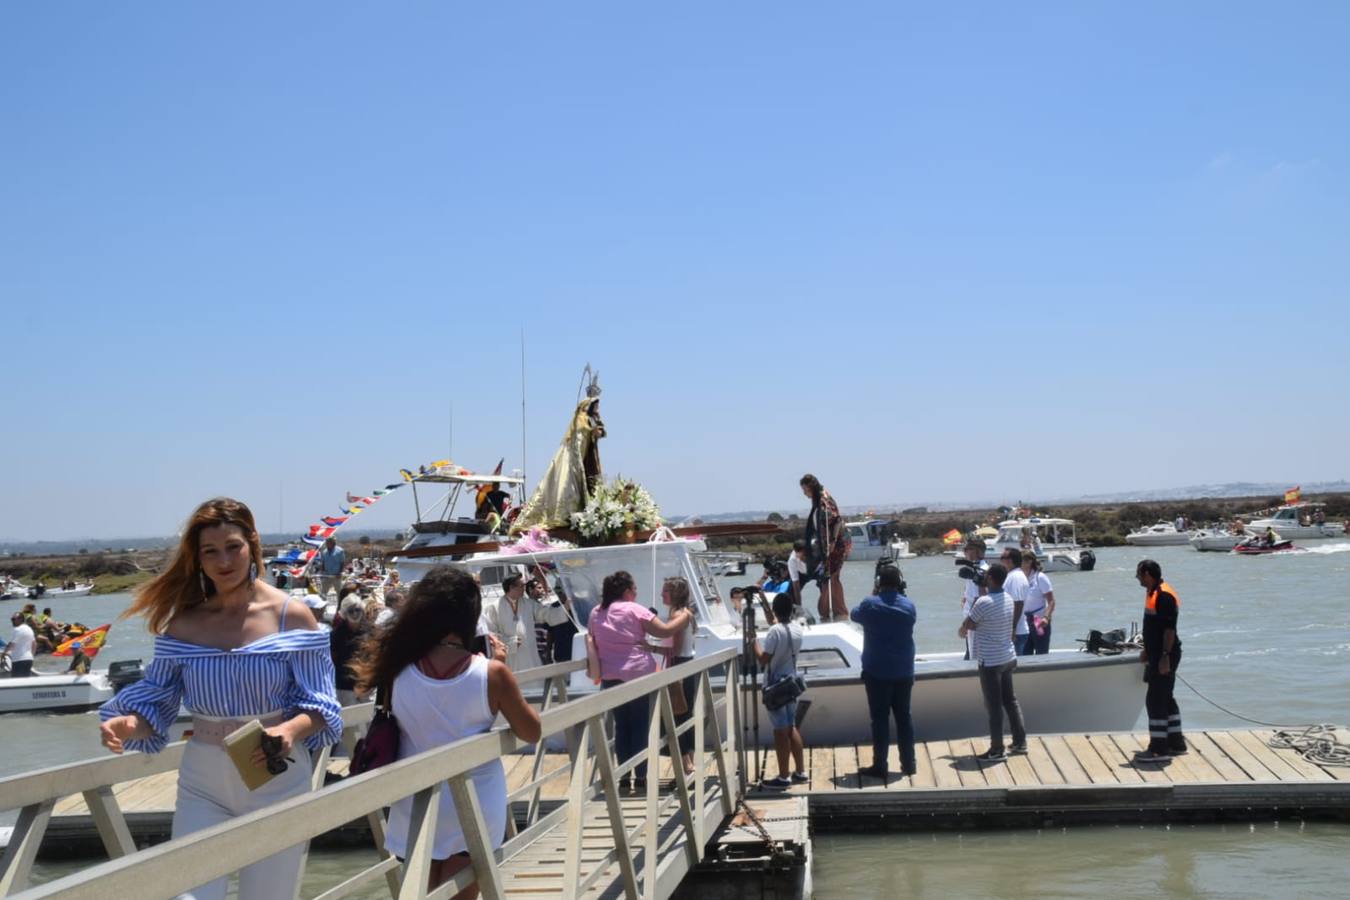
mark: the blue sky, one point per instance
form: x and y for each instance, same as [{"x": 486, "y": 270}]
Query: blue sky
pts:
[{"x": 928, "y": 252}]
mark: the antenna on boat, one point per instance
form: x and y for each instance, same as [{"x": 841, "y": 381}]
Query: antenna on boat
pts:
[
  {"x": 523, "y": 470},
  {"x": 450, "y": 450}
]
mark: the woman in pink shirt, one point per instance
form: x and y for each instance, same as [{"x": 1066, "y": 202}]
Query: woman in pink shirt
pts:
[{"x": 620, "y": 627}]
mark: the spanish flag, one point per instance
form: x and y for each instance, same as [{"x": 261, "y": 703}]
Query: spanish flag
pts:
[
  {"x": 1293, "y": 494},
  {"x": 89, "y": 642},
  {"x": 951, "y": 537}
]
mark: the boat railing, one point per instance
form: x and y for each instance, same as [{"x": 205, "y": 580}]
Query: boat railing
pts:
[{"x": 592, "y": 774}]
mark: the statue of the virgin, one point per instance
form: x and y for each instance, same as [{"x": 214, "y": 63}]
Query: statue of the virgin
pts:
[{"x": 571, "y": 478}]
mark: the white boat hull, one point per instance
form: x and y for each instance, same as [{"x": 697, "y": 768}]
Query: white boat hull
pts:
[
  {"x": 872, "y": 552},
  {"x": 1174, "y": 539},
  {"x": 1064, "y": 692},
  {"x": 1218, "y": 542},
  {"x": 54, "y": 693},
  {"x": 59, "y": 594},
  {"x": 1290, "y": 532}
]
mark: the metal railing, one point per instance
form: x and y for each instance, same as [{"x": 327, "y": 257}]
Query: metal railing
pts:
[{"x": 593, "y": 774}]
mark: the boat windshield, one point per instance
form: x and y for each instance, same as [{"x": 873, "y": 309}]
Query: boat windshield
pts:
[{"x": 582, "y": 573}]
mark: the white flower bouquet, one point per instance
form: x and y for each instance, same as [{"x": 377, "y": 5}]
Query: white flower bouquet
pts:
[{"x": 620, "y": 507}]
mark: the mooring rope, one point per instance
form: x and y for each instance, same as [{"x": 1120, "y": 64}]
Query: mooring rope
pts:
[{"x": 1317, "y": 744}]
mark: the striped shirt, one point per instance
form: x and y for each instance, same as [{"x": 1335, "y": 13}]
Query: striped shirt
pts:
[
  {"x": 993, "y": 616},
  {"x": 291, "y": 671}
]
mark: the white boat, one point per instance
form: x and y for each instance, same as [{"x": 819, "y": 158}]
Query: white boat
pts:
[
  {"x": 1295, "y": 522},
  {"x": 437, "y": 526},
  {"x": 46, "y": 693},
  {"x": 1218, "y": 540},
  {"x": 1055, "y": 542},
  {"x": 63, "y": 692},
  {"x": 79, "y": 590},
  {"x": 12, "y": 588},
  {"x": 1163, "y": 534},
  {"x": 1064, "y": 691},
  {"x": 870, "y": 541},
  {"x": 726, "y": 562}
]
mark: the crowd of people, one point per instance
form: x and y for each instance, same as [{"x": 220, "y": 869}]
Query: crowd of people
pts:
[
  {"x": 37, "y": 633},
  {"x": 231, "y": 647}
]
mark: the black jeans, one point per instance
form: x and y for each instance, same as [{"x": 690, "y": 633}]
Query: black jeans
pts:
[
  {"x": 886, "y": 698},
  {"x": 996, "y": 682},
  {"x": 20, "y": 668},
  {"x": 630, "y": 728},
  {"x": 1164, "y": 716}
]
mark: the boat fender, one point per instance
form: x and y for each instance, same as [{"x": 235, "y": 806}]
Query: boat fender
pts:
[{"x": 1087, "y": 561}]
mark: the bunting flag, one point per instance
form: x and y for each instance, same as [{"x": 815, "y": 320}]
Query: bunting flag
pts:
[
  {"x": 951, "y": 537},
  {"x": 328, "y": 526},
  {"x": 1293, "y": 494},
  {"x": 90, "y": 642}
]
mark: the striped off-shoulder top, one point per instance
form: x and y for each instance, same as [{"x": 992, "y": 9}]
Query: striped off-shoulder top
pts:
[{"x": 289, "y": 671}]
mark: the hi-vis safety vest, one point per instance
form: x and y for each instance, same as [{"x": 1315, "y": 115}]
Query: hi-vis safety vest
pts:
[{"x": 1151, "y": 602}]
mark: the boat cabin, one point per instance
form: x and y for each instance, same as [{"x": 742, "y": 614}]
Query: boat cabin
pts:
[
  {"x": 1037, "y": 532},
  {"x": 868, "y": 533}
]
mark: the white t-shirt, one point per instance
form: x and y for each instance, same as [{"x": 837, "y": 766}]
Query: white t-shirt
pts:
[
  {"x": 796, "y": 568},
  {"x": 1016, "y": 588},
  {"x": 1038, "y": 586},
  {"x": 972, "y": 593},
  {"x": 21, "y": 645}
]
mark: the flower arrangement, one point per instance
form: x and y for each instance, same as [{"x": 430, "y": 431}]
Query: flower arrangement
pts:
[{"x": 620, "y": 507}]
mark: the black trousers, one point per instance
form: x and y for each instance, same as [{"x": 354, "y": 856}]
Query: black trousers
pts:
[
  {"x": 1164, "y": 717},
  {"x": 887, "y": 699}
]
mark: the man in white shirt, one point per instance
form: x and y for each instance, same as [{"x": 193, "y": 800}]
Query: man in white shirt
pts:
[
  {"x": 990, "y": 621},
  {"x": 1016, "y": 587},
  {"x": 974, "y": 550},
  {"x": 19, "y": 650},
  {"x": 796, "y": 567}
]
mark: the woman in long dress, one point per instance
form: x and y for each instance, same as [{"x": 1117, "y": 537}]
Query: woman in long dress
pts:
[
  {"x": 572, "y": 475},
  {"x": 829, "y": 545}
]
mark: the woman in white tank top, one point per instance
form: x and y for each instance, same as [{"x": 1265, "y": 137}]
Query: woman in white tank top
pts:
[{"x": 442, "y": 693}]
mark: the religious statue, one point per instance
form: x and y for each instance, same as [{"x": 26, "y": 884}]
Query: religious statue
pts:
[{"x": 571, "y": 478}]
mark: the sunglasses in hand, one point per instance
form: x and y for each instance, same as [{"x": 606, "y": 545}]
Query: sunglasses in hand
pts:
[{"x": 271, "y": 748}]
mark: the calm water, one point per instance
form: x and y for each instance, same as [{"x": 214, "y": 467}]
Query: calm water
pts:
[{"x": 1268, "y": 637}]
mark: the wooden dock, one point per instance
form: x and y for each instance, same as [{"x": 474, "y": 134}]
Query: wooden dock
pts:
[
  {"x": 1062, "y": 779},
  {"x": 1070, "y": 779}
]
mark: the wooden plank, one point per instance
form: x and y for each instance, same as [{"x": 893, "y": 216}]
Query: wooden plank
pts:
[
  {"x": 1119, "y": 762},
  {"x": 1020, "y": 770},
  {"x": 846, "y": 767},
  {"x": 995, "y": 771},
  {"x": 1275, "y": 761},
  {"x": 1041, "y": 763},
  {"x": 966, "y": 766},
  {"x": 1088, "y": 760},
  {"x": 864, "y": 752},
  {"x": 945, "y": 774},
  {"x": 1240, "y": 755},
  {"x": 1063, "y": 756},
  {"x": 1130, "y": 744},
  {"x": 1194, "y": 765},
  {"x": 1214, "y": 757},
  {"x": 924, "y": 777},
  {"x": 822, "y": 769}
]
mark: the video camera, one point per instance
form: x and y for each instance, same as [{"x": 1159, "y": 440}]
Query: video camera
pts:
[{"x": 971, "y": 571}]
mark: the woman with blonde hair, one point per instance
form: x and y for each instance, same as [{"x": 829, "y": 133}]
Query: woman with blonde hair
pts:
[{"x": 230, "y": 648}]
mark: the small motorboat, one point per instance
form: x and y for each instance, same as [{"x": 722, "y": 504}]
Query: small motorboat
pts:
[
  {"x": 1163, "y": 534},
  {"x": 61, "y": 593},
  {"x": 1260, "y": 548},
  {"x": 1215, "y": 539},
  {"x": 66, "y": 692}
]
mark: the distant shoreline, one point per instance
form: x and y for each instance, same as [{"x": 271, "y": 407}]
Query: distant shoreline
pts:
[{"x": 1098, "y": 525}]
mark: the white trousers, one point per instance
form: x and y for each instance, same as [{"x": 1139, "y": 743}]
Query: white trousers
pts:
[{"x": 210, "y": 792}]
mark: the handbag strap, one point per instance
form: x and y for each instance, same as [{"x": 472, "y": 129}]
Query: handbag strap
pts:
[{"x": 387, "y": 697}]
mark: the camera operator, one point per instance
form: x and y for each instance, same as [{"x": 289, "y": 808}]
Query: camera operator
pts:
[{"x": 974, "y": 583}]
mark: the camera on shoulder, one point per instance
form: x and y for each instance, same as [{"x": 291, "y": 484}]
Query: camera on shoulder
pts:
[{"x": 972, "y": 571}]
